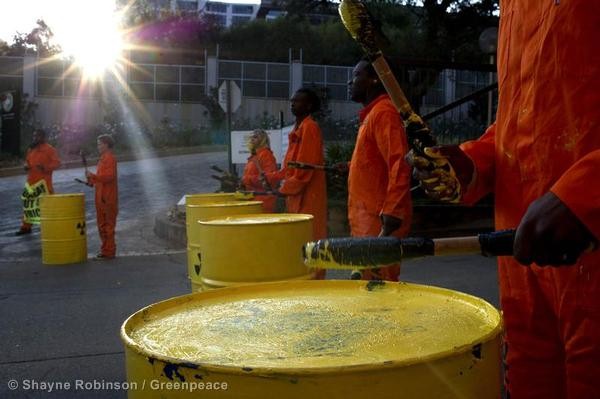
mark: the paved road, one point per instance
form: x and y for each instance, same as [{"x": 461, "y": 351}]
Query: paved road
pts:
[
  {"x": 61, "y": 324},
  {"x": 146, "y": 187}
]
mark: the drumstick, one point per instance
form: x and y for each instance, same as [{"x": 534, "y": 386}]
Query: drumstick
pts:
[
  {"x": 304, "y": 165},
  {"x": 83, "y": 182},
  {"x": 372, "y": 252}
]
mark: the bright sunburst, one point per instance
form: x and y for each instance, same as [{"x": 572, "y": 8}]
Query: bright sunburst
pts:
[{"x": 89, "y": 32}]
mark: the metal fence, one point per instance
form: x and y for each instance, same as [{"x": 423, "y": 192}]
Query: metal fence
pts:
[
  {"x": 188, "y": 83},
  {"x": 11, "y": 73},
  {"x": 333, "y": 79},
  {"x": 167, "y": 83},
  {"x": 257, "y": 79}
]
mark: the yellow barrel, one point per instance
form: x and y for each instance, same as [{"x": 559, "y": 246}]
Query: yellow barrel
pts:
[
  {"x": 63, "y": 229},
  {"x": 207, "y": 210},
  {"x": 253, "y": 248},
  {"x": 196, "y": 199},
  {"x": 315, "y": 339}
]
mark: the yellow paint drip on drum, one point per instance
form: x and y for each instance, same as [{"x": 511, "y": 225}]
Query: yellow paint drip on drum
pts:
[{"x": 319, "y": 339}]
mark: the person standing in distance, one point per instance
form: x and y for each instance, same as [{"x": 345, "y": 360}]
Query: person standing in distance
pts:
[{"x": 106, "y": 197}]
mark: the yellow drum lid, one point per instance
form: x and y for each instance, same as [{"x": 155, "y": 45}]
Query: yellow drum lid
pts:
[
  {"x": 257, "y": 219},
  {"x": 312, "y": 326}
]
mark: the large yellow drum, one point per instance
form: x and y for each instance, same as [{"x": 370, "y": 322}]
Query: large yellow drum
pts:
[
  {"x": 253, "y": 248},
  {"x": 63, "y": 229},
  {"x": 315, "y": 339},
  {"x": 207, "y": 210}
]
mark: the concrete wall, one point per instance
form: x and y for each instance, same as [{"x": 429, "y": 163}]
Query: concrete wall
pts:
[{"x": 89, "y": 112}]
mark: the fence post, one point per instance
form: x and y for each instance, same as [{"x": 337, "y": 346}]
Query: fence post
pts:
[
  {"x": 212, "y": 73},
  {"x": 296, "y": 76},
  {"x": 29, "y": 74}
]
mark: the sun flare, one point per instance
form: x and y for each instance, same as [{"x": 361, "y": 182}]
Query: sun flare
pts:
[{"x": 90, "y": 33}]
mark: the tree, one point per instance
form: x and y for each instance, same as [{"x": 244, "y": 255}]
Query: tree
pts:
[{"x": 39, "y": 41}]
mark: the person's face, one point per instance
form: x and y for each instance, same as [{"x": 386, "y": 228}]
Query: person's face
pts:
[
  {"x": 37, "y": 137},
  {"x": 102, "y": 146},
  {"x": 253, "y": 141},
  {"x": 360, "y": 83},
  {"x": 300, "y": 104}
]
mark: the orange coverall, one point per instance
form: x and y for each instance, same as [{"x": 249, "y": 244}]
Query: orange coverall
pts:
[
  {"x": 305, "y": 190},
  {"x": 379, "y": 178},
  {"x": 45, "y": 155},
  {"x": 547, "y": 137},
  {"x": 251, "y": 178},
  {"x": 107, "y": 206}
]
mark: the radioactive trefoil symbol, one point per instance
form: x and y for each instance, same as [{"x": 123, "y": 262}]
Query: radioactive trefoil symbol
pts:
[
  {"x": 81, "y": 227},
  {"x": 199, "y": 265}
]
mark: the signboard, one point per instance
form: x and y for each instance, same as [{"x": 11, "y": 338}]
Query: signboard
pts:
[
  {"x": 236, "y": 95},
  {"x": 10, "y": 123},
  {"x": 31, "y": 201},
  {"x": 277, "y": 137}
]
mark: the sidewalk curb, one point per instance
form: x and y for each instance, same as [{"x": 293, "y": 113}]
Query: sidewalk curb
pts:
[{"x": 168, "y": 230}]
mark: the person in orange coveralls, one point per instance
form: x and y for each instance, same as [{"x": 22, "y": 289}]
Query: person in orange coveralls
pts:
[
  {"x": 379, "y": 201},
  {"x": 541, "y": 159},
  {"x": 107, "y": 206},
  {"x": 41, "y": 160},
  {"x": 305, "y": 190},
  {"x": 260, "y": 162}
]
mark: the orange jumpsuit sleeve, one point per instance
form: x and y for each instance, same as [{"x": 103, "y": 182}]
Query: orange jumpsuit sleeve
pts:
[
  {"x": 250, "y": 177},
  {"x": 392, "y": 145},
  {"x": 310, "y": 151},
  {"x": 579, "y": 190},
  {"x": 105, "y": 173},
  {"x": 268, "y": 164},
  {"x": 483, "y": 154}
]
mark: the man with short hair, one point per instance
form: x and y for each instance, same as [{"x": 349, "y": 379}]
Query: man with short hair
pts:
[
  {"x": 106, "y": 198},
  {"x": 379, "y": 201},
  {"x": 40, "y": 162}
]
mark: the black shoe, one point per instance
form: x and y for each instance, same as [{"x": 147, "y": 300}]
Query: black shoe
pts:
[
  {"x": 102, "y": 257},
  {"x": 22, "y": 232}
]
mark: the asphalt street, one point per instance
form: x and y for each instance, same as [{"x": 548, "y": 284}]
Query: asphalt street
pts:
[
  {"x": 146, "y": 187},
  {"x": 60, "y": 324}
]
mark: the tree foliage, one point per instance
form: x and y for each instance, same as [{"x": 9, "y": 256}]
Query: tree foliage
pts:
[{"x": 39, "y": 41}]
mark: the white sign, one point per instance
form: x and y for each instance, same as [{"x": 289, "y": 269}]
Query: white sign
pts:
[
  {"x": 236, "y": 95},
  {"x": 277, "y": 137}
]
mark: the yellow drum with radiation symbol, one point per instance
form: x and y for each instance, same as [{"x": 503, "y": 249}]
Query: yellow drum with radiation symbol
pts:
[
  {"x": 315, "y": 339},
  {"x": 63, "y": 229},
  {"x": 207, "y": 210}
]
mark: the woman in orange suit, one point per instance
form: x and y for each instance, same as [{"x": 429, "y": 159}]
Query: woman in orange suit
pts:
[
  {"x": 304, "y": 190},
  {"x": 261, "y": 162},
  {"x": 107, "y": 206}
]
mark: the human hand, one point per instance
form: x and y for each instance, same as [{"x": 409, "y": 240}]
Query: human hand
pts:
[
  {"x": 551, "y": 234},
  {"x": 26, "y": 167},
  {"x": 88, "y": 174},
  {"x": 443, "y": 172},
  {"x": 389, "y": 224}
]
